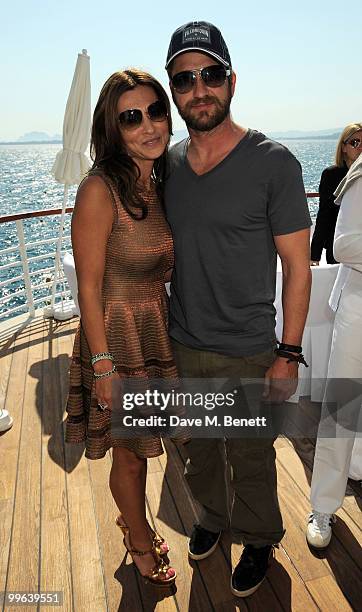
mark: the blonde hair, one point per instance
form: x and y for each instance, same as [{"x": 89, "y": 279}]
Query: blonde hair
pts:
[{"x": 350, "y": 129}]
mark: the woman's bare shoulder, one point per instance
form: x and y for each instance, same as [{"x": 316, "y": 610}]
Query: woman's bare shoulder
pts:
[
  {"x": 93, "y": 186},
  {"x": 93, "y": 193},
  {"x": 93, "y": 204}
]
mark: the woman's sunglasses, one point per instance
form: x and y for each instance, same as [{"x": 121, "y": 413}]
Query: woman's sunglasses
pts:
[
  {"x": 354, "y": 142},
  {"x": 132, "y": 118},
  {"x": 213, "y": 76}
]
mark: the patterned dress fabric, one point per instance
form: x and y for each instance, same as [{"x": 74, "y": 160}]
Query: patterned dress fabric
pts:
[{"x": 135, "y": 304}]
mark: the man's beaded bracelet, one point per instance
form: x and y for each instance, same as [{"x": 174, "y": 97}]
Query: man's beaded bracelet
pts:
[
  {"x": 291, "y": 348},
  {"x": 101, "y": 356},
  {"x": 105, "y": 374},
  {"x": 291, "y": 357}
]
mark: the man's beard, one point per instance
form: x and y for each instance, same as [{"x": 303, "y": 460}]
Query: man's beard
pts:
[{"x": 206, "y": 120}]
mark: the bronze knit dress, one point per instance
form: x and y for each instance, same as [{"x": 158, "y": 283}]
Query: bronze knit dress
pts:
[{"x": 138, "y": 254}]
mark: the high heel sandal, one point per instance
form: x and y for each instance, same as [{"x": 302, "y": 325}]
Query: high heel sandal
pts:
[
  {"x": 161, "y": 546},
  {"x": 158, "y": 573}
]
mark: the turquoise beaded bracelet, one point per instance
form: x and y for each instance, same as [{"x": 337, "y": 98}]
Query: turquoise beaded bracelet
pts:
[
  {"x": 105, "y": 374},
  {"x": 101, "y": 356}
]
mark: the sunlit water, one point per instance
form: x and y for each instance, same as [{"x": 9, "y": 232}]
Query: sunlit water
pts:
[{"x": 26, "y": 184}]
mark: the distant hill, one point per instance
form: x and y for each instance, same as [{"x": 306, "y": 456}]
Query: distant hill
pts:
[
  {"x": 331, "y": 134},
  {"x": 35, "y": 138},
  {"x": 44, "y": 138},
  {"x": 39, "y": 137}
]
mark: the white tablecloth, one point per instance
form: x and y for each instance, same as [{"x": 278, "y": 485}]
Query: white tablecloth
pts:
[{"x": 317, "y": 333}]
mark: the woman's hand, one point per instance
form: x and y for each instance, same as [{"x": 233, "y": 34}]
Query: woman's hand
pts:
[{"x": 103, "y": 391}]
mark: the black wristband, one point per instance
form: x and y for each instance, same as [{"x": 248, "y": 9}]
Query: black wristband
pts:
[
  {"x": 290, "y": 357},
  {"x": 291, "y": 348}
]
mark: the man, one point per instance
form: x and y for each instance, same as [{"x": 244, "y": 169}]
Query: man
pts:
[{"x": 234, "y": 200}]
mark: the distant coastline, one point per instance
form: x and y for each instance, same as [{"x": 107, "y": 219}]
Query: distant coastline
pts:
[
  {"x": 47, "y": 142},
  {"x": 28, "y": 142},
  {"x": 34, "y": 138},
  {"x": 320, "y": 137}
]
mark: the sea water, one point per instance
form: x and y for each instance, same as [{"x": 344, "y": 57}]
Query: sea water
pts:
[{"x": 26, "y": 184}]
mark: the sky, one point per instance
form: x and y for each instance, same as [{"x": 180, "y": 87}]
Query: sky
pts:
[{"x": 298, "y": 63}]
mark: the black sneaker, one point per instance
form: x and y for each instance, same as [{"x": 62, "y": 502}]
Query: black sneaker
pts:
[
  {"x": 202, "y": 542},
  {"x": 250, "y": 571}
]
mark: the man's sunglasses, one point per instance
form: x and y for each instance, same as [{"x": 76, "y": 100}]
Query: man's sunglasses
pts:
[
  {"x": 213, "y": 76},
  {"x": 354, "y": 142},
  {"x": 132, "y": 118}
]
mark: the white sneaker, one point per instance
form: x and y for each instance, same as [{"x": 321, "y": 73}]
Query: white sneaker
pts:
[
  {"x": 6, "y": 421},
  {"x": 319, "y": 529}
]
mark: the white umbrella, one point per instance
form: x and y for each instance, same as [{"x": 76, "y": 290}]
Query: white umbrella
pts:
[{"x": 71, "y": 163}]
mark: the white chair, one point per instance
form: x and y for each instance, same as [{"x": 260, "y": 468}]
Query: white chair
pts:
[{"x": 71, "y": 276}]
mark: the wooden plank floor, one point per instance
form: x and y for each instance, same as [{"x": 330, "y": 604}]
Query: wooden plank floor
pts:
[{"x": 57, "y": 527}]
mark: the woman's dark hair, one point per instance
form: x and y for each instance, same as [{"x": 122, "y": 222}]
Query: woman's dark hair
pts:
[{"x": 108, "y": 151}]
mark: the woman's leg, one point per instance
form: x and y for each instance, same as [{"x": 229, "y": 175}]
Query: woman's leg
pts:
[
  {"x": 128, "y": 486},
  {"x": 127, "y": 481}
]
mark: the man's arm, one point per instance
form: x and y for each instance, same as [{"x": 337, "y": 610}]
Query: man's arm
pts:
[{"x": 294, "y": 252}]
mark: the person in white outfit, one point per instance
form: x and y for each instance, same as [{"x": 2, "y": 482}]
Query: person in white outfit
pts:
[{"x": 333, "y": 454}]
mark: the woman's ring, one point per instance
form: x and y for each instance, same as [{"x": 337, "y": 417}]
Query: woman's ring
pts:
[{"x": 103, "y": 406}]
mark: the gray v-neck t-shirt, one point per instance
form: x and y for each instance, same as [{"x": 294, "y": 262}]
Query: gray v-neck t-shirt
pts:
[{"x": 223, "y": 223}]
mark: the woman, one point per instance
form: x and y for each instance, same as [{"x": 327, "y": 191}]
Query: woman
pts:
[
  {"x": 330, "y": 179},
  {"x": 123, "y": 249},
  {"x": 333, "y": 454}
]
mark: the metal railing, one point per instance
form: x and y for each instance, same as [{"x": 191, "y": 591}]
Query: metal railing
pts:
[
  {"x": 30, "y": 289},
  {"x": 28, "y": 277}
]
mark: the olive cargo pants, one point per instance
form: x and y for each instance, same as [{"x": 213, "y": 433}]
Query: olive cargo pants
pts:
[{"x": 234, "y": 479}]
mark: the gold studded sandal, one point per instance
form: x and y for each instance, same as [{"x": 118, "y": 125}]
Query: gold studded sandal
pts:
[
  {"x": 161, "y": 546},
  {"x": 158, "y": 574}
]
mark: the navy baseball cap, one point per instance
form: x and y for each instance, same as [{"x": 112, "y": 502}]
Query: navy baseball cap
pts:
[{"x": 198, "y": 36}]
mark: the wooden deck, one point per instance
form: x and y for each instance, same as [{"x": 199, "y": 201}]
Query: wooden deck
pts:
[{"x": 57, "y": 529}]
